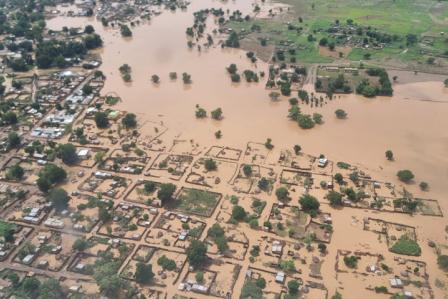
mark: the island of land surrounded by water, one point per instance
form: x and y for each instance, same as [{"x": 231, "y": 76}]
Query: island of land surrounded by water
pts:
[{"x": 234, "y": 149}]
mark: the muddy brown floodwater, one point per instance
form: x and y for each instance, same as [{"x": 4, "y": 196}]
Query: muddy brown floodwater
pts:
[{"x": 413, "y": 123}]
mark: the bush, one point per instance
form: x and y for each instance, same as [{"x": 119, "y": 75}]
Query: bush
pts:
[{"x": 405, "y": 175}]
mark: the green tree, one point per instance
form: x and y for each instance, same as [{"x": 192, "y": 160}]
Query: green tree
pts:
[
  {"x": 129, "y": 121},
  {"x": 59, "y": 199},
  {"x": 423, "y": 186},
  {"x": 297, "y": 149},
  {"x": 15, "y": 173},
  {"x": 87, "y": 89},
  {"x": 309, "y": 204},
  {"x": 210, "y": 164},
  {"x": 51, "y": 289},
  {"x": 305, "y": 121},
  {"x": 80, "y": 244},
  {"x": 101, "y": 120},
  {"x": 67, "y": 153},
  {"x": 338, "y": 178},
  {"x": 442, "y": 261},
  {"x": 238, "y": 213},
  {"x": 216, "y": 114},
  {"x": 405, "y": 175},
  {"x": 341, "y": 114},
  {"x": 197, "y": 253},
  {"x": 335, "y": 198},
  {"x": 166, "y": 192},
  {"x": 9, "y": 118},
  {"x": 247, "y": 170},
  {"x": 14, "y": 140},
  {"x": 389, "y": 155},
  {"x": 143, "y": 273},
  {"x": 293, "y": 287},
  {"x": 282, "y": 194}
]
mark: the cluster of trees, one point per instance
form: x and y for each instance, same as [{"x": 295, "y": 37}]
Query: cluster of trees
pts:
[
  {"x": 53, "y": 53},
  {"x": 385, "y": 88},
  {"x": 305, "y": 121}
]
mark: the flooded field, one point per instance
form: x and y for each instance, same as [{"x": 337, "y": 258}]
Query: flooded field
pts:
[
  {"x": 412, "y": 129},
  {"x": 412, "y": 123}
]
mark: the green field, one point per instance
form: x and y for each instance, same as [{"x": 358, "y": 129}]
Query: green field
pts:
[{"x": 396, "y": 19}]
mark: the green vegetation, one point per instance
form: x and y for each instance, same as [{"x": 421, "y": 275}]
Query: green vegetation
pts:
[
  {"x": 49, "y": 176},
  {"x": 129, "y": 121},
  {"x": 166, "y": 192},
  {"x": 335, "y": 198},
  {"x": 382, "y": 33},
  {"x": 389, "y": 155},
  {"x": 101, "y": 120},
  {"x": 442, "y": 261},
  {"x": 309, "y": 204},
  {"x": 351, "y": 261},
  {"x": 407, "y": 246},
  {"x": 210, "y": 164},
  {"x": 166, "y": 263},
  {"x": 15, "y": 173},
  {"x": 197, "y": 253},
  {"x": 217, "y": 234},
  {"x": 59, "y": 199},
  {"x": 341, "y": 114},
  {"x": 405, "y": 175},
  {"x": 251, "y": 290},
  {"x": 197, "y": 202},
  {"x": 143, "y": 273},
  {"x": 67, "y": 153}
]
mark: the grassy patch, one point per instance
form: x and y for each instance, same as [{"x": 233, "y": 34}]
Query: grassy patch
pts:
[
  {"x": 197, "y": 202},
  {"x": 406, "y": 246}
]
